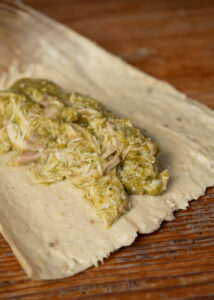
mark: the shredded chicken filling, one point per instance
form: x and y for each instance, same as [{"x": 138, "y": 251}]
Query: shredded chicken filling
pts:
[{"x": 70, "y": 136}]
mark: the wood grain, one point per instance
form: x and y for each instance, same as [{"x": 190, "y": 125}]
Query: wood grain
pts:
[{"x": 174, "y": 41}]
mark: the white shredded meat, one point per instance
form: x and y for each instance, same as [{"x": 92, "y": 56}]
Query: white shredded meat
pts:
[{"x": 60, "y": 135}]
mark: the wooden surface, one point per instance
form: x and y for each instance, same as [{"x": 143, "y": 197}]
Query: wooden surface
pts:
[{"x": 174, "y": 41}]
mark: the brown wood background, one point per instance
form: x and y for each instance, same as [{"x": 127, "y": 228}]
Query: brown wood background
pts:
[{"x": 172, "y": 40}]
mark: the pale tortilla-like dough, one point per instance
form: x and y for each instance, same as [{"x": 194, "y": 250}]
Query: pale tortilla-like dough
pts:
[{"x": 52, "y": 230}]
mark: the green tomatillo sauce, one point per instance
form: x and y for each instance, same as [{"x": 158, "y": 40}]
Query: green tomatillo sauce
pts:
[{"x": 61, "y": 135}]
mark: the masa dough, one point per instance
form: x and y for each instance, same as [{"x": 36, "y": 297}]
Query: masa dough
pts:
[{"x": 51, "y": 229}]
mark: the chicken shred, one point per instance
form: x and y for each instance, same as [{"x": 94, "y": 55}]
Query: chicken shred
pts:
[{"x": 60, "y": 135}]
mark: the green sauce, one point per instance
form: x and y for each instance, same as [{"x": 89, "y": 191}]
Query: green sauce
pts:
[{"x": 70, "y": 136}]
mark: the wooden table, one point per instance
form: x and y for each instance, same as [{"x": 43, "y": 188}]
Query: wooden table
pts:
[{"x": 172, "y": 40}]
